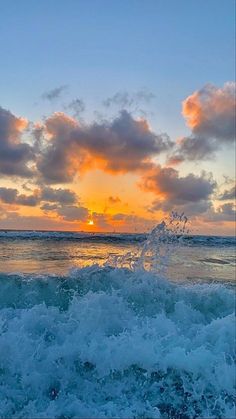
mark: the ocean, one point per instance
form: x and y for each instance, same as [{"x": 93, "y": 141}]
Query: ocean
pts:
[{"x": 116, "y": 325}]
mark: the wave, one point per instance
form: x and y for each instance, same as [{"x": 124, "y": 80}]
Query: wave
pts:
[
  {"x": 186, "y": 240},
  {"x": 112, "y": 342},
  {"x": 71, "y": 236}
]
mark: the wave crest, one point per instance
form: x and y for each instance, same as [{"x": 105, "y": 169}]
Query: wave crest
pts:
[{"x": 112, "y": 342}]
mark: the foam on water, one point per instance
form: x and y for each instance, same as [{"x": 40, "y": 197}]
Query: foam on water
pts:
[{"x": 115, "y": 342}]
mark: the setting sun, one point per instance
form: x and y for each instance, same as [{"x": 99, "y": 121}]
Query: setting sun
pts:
[{"x": 90, "y": 223}]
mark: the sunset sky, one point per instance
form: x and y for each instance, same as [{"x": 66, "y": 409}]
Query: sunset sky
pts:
[{"x": 114, "y": 113}]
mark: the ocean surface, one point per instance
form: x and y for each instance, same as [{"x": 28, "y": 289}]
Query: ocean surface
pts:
[{"x": 116, "y": 325}]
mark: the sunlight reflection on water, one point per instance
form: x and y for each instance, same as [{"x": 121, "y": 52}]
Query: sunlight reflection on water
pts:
[{"x": 49, "y": 256}]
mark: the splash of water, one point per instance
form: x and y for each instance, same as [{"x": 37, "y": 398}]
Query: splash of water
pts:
[{"x": 154, "y": 254}]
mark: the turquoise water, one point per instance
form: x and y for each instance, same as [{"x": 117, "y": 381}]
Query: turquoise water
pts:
[{"x": 86, "y": 330}]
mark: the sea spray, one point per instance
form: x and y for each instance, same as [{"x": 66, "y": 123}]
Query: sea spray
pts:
[
  {"x": 154, "y": 252},
  {"x": 116, "y": 341}
]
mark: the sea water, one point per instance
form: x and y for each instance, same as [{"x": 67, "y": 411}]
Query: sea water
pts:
[{"x": 123, "y": 326}]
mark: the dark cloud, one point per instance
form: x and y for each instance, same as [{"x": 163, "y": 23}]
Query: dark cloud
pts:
[
  {"x": 8, "y": 195},
  {"x": 14, "y": 154},
  {"x": 73, "y": 213},
  {"x": 168, "y": 184},
  {"x": 123, "y": 145},
  {"x": 60, "y": 201},
  {"x": 62, "y": 196},
  {"x": 225, "y": 212},
  {"x": 55, "y": 161},
  {"x": 64, "y": 203},
  {"x": 190, "y": 194},
  {"x": 210, "y": 113},
  {"x": 228, "y": 194},
  {"x": 55, "y": 93},
  {"x": 11, "y": 196},
  {"x": 37, "y": 131},
  {"x": 193, "y": 148},
  {"x": 30, "y": 200},
  {"x": 49, "y": 207},
  {"x": 124, "y": 100},
  {"x": 188, "y": 208},
  {"x": 76, "y": 106}
]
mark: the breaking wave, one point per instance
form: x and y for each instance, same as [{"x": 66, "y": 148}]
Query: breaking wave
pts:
[{"x": 110, "y": 341}]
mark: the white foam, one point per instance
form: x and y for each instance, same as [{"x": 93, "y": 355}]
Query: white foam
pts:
[{"x": 107, "y": 342}]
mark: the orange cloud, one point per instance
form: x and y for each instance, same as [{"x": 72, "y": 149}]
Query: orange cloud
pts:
[
  {"x": 211, "y": 110},
  {"x": 123, "y": 145},
  {"x": 210, "y": 113}
]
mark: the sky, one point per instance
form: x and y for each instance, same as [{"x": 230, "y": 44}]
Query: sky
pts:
[{"x": 115, "y": 113}]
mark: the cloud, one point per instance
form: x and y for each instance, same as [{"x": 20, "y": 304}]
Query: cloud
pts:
[
  {"x": 77, "y": 106},
  {"x": 64, "y": 203},
  {"x": 132, "y": 222},
  {"x": 14, "y": 154},
  {"x": 122, "y": 222},
  {"x": 101, "y": 221},
  {"x": 27, "y": 200},
  {"x": 55, "y": 163},
  {"x": 125, "y": 100},
  {"x": 190, "y": 194},
  {"x": 122, "y": 145},
  {"x": 225, "y": 212},
  {"x": 62, "y": 196},
  {"x": 8, "y": 195},
  {"x": 193, "y": 148},
  {"x": 188, "y": 208},
  {"x": 228, "y": 194},
  {"x": 13, "y": 220},
  {"x": 49, "y": 207},
  {"x": 11, "y": 196},
  {"x": 73, "y": 213},
  {"x": 114, "y": 199},
  {"x": 60, "y": 201},
  {"x": 167, "y": 183},
  {"x": 210, "y": 113},
  {"x": 55, "y": 93}
]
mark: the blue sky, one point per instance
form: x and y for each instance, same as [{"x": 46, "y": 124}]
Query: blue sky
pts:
[{"x": 99, "y": 47}]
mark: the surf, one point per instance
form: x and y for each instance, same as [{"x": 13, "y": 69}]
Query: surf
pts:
[{"x": 118, "y": 340}]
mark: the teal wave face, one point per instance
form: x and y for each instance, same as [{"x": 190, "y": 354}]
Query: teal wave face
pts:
[{"x": 106, "y": 342}]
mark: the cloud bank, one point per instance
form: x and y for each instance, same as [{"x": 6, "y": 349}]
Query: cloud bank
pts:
[{"x": 61, "y": 148}]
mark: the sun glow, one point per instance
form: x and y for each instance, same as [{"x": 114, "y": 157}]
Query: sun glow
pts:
[{"x": 90, "y": 222}]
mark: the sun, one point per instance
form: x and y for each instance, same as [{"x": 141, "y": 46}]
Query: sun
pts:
[{"x": 90, "y": 222}]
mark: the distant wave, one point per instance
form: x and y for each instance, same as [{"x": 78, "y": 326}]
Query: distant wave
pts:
[
  {"x": 188, "y": 240},
  {"x": 61, "y": 235},
  {"x": 109, "y": 342}
]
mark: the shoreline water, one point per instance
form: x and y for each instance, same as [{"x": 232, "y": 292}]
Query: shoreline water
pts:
[{"x": 106, "y": 327}]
